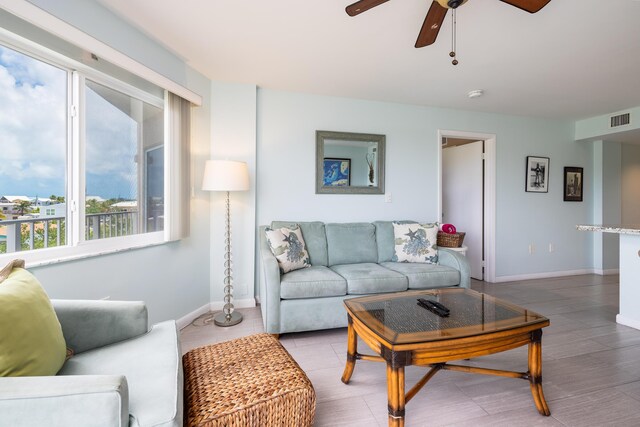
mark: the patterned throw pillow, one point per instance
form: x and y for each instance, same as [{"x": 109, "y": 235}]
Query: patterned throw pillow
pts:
[
  {"x": 288, "y": 247},
  {"x": 416, "y": 243}
]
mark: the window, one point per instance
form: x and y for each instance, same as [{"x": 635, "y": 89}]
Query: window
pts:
[
  {"x": 33, "y": 144},
  {"x": 82, "y": 158},
  {"x": 120, "y": 131}
]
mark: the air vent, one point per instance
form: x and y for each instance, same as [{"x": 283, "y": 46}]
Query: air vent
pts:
[{"x": 620, "y": 120}]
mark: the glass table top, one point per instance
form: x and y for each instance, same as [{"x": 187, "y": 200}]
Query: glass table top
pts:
[{"x": 400, "y": 320}]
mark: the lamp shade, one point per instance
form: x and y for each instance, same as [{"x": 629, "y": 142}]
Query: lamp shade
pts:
[{"x": 225, "y": 175}]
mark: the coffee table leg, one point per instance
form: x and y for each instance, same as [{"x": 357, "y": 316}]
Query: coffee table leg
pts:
[
  {"x": 395, "y": 392},
  {"x": 535, "y": 372},
  {"x": 352, "y": 348}
]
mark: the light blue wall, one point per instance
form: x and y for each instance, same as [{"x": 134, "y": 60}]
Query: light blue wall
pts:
[
  {"x": 101, "y": 23},
  {"x": 233, "y": 137},
  {"x": 173, "y": 279},
  {"x": 598, "y": 127},
  {"x": 611, "y": 202},
  {"x": 286, "y": 174},
  {"x": 631, "y": 183}
]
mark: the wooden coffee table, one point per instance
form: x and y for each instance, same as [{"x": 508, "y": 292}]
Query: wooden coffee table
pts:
[{"x": 402, "y": 333}]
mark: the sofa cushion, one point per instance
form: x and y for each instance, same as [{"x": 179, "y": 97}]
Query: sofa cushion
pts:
[
  {"x": 386, "y": 240},
  {"x": 31, "y": 339},
  {"x": 152, "y": 364},
  {"x": 370, "y": 278},
  {"x": 416, "y": 243},
  {"x": 426, "y": 276},
  {"x": 317, "y": 281},
  {"x": 351, "y": 243},
  {"x": 287, "y": 245},
  {"x": 314, "y": 237}
]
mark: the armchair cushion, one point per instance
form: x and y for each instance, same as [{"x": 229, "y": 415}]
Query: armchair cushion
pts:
[
  {"x": 31, "y": 339},
  {"x": 152, "y": 365},
  {"x": 89, "y": 324},
  {"x": 61, "y": 401}
]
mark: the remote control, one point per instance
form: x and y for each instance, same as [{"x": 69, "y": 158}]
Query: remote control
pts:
[
  {"x": 440, "y": 305},
  {"x": 435, "y": 303},
  {"x": 432, "y": 307}
]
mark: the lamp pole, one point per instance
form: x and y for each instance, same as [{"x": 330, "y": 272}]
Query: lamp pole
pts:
[{"x": 228, "y": 317}]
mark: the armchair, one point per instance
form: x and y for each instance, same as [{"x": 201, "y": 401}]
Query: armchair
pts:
[{"x": 121, "y": 374}]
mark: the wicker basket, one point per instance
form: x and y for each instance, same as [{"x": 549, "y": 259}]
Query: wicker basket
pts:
[
  {"x": 450, "y": 240},
  {"x": 248, "y": 382}
]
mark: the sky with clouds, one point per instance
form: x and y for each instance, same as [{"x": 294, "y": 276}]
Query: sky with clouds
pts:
[{"x": 33, "y": 134}]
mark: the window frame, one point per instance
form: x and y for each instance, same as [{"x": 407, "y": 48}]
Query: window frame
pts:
[{"x": 77, "y": 247}]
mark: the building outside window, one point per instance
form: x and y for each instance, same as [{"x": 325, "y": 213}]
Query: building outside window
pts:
[{"x": 84, "y": 150}]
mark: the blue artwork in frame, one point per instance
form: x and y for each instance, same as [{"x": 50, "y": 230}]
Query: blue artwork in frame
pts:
[{"x": 337, "y": 172}]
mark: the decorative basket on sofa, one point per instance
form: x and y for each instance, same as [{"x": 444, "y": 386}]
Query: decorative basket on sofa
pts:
[{"x": 447, "y": 240}]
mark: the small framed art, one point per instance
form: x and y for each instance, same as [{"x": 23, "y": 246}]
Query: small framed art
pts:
[
  {"x": 537, "y": 174},
  {"x": 573, "y": 184},
  {"x": 336, "y": 172}
]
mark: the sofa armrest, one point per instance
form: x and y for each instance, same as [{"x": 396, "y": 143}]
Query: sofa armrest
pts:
[
  {"x": 89, "y": 324},
  {"x": 269, "y": 285},
  {"x": 74, "y": 400},
  {"x": 457, "y": 261}
]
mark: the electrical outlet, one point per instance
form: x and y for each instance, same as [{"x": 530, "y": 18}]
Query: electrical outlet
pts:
[
  {"x": 552, "y": 247},
  {"x": 387, "y": 197},
  {"x": 532, "y": 249}
]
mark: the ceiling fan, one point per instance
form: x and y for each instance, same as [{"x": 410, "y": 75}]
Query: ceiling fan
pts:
[{"x": 437, "y": 12}]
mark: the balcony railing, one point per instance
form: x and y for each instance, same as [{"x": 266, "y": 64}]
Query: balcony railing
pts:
[
  {"x": 112, "y": 224},
  {"x": 45, "y": 232}
]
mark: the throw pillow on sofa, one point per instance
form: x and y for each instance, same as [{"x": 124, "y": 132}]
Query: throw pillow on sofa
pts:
[
  {"x": 31, "y": 340},
  {"x": 415, "y": 243},
  {"x": 288, "y": 247}
]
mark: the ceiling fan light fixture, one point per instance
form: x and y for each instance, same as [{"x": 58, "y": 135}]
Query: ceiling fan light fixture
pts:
[
  {"x": 475, "y": 93},
  {"x": 451, "y": 4}
]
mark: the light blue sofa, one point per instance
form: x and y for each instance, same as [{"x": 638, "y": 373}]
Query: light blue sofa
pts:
[
  {"x": 348, "y": 260},
  {"x": 121, "y": 375}
]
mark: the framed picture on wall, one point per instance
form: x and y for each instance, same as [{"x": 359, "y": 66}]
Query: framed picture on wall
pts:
[
  {"x": 572, "y": 184},
  {"x": 537, "y": 174},
  {"x": 336, "y": 172}
]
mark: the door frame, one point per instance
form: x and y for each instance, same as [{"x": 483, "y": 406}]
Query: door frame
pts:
[{"x": 489, "y": 193}]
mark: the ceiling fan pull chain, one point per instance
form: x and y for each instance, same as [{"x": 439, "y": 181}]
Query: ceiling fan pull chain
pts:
[{"x": 453, "y": 37}]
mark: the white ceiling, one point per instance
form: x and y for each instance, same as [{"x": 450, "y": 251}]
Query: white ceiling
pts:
[{"x": 574, "y": 59}]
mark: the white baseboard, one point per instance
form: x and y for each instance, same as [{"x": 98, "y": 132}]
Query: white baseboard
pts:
[
  {"x": 623, "y": 320},
  {"x": 237, "y": 303},
  {"x": 186, "y": 320},
  {"x": 609, "y": 272},
  {"x": 545, "y": 275}
]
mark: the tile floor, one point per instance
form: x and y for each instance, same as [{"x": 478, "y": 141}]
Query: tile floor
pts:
[{"x": 591, "y": 366}]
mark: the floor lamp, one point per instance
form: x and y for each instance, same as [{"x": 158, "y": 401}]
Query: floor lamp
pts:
[{"x": 226, "y": 175}]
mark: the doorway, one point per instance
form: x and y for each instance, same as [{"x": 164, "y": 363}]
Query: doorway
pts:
[{"x": 467, "y": 195}]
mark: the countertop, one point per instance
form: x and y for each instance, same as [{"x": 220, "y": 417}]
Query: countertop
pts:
[{"x": 618, "y": 229}]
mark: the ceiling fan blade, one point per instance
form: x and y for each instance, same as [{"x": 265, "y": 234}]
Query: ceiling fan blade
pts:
[
  {"x": 431, "y": 25},
  {"x": 531, "y": 6},
  {"x": 362, "y": 6}
]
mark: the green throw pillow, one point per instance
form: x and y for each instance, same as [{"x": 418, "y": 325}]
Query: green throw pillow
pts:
[{"x": 31, "y": 340}]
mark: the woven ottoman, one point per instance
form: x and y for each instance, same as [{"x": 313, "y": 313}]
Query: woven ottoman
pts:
[{"x": 249, "y": 381}]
